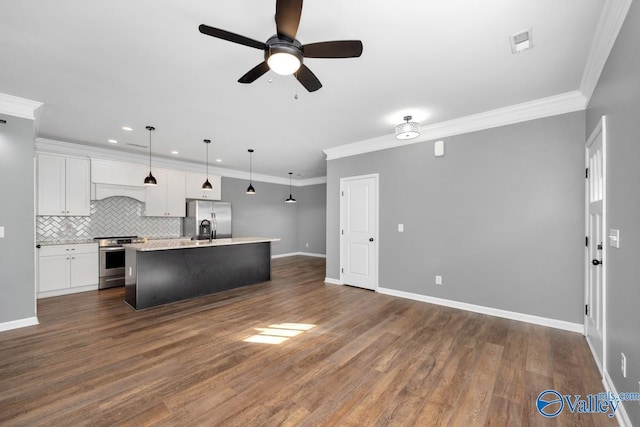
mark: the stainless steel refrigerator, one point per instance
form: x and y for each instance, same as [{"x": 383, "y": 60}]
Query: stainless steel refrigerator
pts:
[{"x": 217, "y": 213}]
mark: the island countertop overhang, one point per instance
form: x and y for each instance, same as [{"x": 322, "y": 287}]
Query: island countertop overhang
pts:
[{"x": 169, "y": 244}]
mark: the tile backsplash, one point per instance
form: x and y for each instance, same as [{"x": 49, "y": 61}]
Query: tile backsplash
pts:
[{"x": 113, "y": 216}]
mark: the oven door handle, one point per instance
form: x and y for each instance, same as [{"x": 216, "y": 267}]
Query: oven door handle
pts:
[{"x": 112, "y": 248}]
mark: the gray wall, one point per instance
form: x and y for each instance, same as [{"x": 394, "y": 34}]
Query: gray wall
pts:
[
  {"x": 17, "y": 275},
  {"x": 500, "y": 217},
  {"x": 617, "y": 96},
  {"x": 265, "y": 213},
  {"x": 312, "y": 218}
]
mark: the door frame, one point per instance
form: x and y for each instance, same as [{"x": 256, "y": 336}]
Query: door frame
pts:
[
  {"x": 376, "y": 246},
  {"x": 600, "y": 129}
]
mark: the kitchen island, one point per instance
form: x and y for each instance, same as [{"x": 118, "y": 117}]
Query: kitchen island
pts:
[{"x": 163, "y": 271}]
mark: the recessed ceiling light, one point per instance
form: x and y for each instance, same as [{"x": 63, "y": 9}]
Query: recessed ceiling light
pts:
[
  {"x": 127, "y": 128},
  {"x": 113, "y": 141},
  {"x": 174, "y": 152},
  {"x": 521, "y": 41},
  {"x": 218, "y": 160}
]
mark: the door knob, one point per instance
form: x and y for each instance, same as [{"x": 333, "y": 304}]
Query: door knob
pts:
[
  {"x": 371, "y": 239},
  {"x": 596, "y": 262}
]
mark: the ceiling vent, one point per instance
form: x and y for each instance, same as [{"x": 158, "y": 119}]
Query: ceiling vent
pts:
[
  {"x": 137, "y": 145},
  {"x": 521, "y": 41}
]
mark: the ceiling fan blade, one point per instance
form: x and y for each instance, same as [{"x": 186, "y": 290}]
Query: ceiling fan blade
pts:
[
  {"x": 231, "y": 37},
  {"x": 253, "y": 74},
  {"x": 308, "y": 79},
  {"x": 335, "y": 49},
  {"x": 288, "y": 17}
]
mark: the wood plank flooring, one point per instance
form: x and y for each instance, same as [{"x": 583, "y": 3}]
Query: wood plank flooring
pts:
[{"x": 369, "y": 359}]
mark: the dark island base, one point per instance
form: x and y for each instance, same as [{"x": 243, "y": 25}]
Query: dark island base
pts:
[{"x": 164, "y": 276}]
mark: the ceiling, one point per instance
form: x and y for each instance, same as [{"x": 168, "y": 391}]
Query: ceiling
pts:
[{"x": 98, "y": 66}]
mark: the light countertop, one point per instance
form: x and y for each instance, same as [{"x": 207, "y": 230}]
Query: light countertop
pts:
[{"x": 164, "y": 244}]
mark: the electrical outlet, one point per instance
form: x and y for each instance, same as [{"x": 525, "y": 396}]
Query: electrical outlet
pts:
[
  {"x": 438, "y": 280},
  {"x": 307, "y": 245},
  {"x": 1, "y": 232},
  {"x": 623, "y": 365}
]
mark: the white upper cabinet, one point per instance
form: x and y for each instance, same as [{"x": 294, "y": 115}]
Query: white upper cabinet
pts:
[
  {"x": 194, "y": 187},
  {"x": 168, "y": 197},
  {"x": 63, "y": 185},
  {"x": 118, "y": 173}
]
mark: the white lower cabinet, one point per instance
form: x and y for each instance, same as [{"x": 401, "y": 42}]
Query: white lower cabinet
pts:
[{"x": 64, "y": 269}]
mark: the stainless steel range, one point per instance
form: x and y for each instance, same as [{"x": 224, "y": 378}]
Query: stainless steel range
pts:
[{"x": 111, "y": 255}]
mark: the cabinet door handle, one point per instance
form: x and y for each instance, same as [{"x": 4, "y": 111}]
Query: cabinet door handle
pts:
[{"x": 73, "y": 257}]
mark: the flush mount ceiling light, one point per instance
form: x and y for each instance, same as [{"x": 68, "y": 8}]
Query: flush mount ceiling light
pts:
[
  {"x": 290, "y": 199},
  {"x": 408, "y": 129},
  {"x": 521, "y": 41},
  {"x": 207, "y": 185},
  {"x": 250, "y": 189},
  {"x": 150, "y": 179}
]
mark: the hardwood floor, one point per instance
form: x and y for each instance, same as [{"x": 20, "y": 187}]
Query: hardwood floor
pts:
[{"x": 368, "y": 359}]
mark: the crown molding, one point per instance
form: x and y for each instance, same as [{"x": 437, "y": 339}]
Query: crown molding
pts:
[
  {"x": 545, "y": 107},
  {"x": 19, "y": 107},
  {"x": 45, "y": 145},
  {"x": 613, "y": 15}
]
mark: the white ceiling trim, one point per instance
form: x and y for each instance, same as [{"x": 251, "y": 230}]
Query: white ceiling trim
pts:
[
  {"x": 613, "y": 14},
  {"x": 19, "y": 107},
  {"x": 544, "y": 107},
  {"x": 45, "y": 145}
]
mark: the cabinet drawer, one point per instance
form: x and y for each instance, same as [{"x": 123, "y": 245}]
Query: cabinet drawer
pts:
[{"x": 54, "y": 250}]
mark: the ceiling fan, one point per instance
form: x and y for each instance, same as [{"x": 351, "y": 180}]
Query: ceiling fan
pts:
[{"x": 283, "y": 53}]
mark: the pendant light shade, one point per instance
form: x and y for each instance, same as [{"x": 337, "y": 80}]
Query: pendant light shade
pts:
[
  {"x": 207, "y": 185},
  {"x": 290, "y": 199},
  {"x": 408, "y": 129},
  {"x": 250, "y": 189},
  {"x": 150, "y": 179}
]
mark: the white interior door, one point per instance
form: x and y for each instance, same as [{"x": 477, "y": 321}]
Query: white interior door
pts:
[
  {"x": 359, "y": 231},
  {"x": 596, "y": 245}
]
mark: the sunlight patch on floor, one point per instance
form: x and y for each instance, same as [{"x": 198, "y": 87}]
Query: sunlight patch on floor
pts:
[{"x": 278, "y": 333}]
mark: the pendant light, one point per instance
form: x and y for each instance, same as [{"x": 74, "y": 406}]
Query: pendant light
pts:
[
  {"x": 250, "y": 189},
  {"x": 150, "y": 179},
  {"x": 290, "y": 199},
  {"x": 207, "y": 185},
  {"x": 408, "y": 130}
]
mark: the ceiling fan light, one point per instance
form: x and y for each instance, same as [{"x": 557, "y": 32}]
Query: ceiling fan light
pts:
[
  {"x": 283, "y": 63},
  {"x": 408, "y": 129}
]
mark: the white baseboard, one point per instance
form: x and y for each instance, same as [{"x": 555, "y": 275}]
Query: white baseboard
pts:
[
  {"x": 310, "y": 254},
  {"x": 332, "y": 281},
  {"x": 298, "y": 253},
  {"x": 15, "y": 324},
  {"x": 621, "y": 413},
  {"x": 67, "y": 291},
  {"x": 528, "y": 318}
]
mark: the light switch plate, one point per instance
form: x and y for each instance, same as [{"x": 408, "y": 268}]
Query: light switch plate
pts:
[
  {"x": 614, "y": 238},
  {"x": 1, "y": 232},
  {"x": 438, "y": 148},
  {"x": 400, "y": 228}
]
